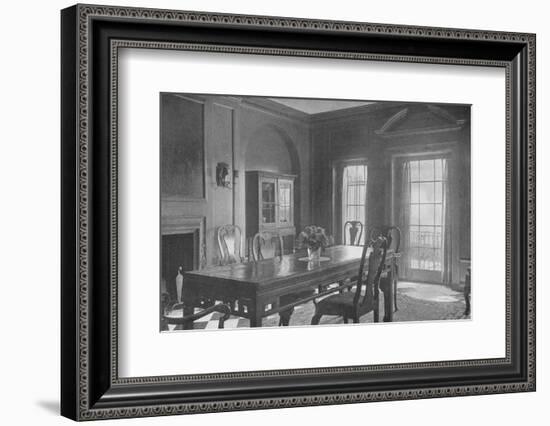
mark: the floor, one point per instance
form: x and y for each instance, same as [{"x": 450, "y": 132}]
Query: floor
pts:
[{"x": 415, "y": 302}]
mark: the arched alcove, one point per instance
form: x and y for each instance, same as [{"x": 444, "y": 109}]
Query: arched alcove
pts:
[{"x": 271, "y": 149}]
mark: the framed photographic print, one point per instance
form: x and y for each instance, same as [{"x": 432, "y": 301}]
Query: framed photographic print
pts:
[{"x": 263, "y": 212}]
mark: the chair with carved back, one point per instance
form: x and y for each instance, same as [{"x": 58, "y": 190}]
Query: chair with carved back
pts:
[
  {"x": 230, "y": 242},
  {"x": 353, "y": 231},
  {"x": 393, "y": 235},
  {"x": 364, "y": 298},
  {"x": 169, "y": 314},
  {"x": 267, "y": 245}
]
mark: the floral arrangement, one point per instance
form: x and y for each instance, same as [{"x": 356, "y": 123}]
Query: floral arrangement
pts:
[{"x": 313, "y": 237}]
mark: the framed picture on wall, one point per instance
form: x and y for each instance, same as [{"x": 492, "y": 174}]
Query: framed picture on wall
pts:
[{"x": 321, "y": 212}]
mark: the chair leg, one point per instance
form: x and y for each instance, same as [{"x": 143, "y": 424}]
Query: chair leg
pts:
[
  {"x": 316, "y": 318},
  {"x": 356, "y": 319},
  {"x": 395, "y": 308},
  {"x": 340, "y": 283},
  {"x": 346, "y": 319},
  {"x": 467, "y": 291},
  {"x": 395, "y": 289},
  {"x": 163, "y": 324},
  {"x": 226, "y": 314},
  {"x": 284, "y": 317}
]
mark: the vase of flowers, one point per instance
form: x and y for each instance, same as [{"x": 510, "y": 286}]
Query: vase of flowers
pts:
[
  {"x": 313, "y": 238},
  {"x": 314, "y": 254}
]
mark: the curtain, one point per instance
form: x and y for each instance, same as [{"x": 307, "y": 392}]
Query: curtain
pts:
[
  {"x": 405, "y": 212},
  {"x": 446, "y": 238}
]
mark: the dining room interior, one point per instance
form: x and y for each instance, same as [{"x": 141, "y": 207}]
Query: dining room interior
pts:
[{"x": 281, "y": 212}]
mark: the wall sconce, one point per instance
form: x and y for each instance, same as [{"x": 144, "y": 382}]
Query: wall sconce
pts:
[{"x": 223, "y": 175}]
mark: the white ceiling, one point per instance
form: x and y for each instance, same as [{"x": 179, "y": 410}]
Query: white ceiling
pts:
[{"x": 315, "y": 106}]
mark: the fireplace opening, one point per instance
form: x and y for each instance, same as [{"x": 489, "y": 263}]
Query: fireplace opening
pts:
[{"x": 178, "y": 251}]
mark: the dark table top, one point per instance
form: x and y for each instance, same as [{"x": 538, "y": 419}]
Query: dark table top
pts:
[{"x": 270, "y": 270}]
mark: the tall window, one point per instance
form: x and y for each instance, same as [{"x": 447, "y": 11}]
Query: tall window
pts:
[
  {"x": 426, "y": 214},
  {"x": 354, "y": 195}
]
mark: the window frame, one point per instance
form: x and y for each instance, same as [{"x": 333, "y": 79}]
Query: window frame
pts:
[
  {"x": 398, "y": 159},
  {"x": 338, "y": 167},
  {"x": 344, "y": 201},
  {"x": 434, "y": 203}
]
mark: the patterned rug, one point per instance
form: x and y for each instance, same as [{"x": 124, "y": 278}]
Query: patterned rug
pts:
[{"x": 415, "y": 302}]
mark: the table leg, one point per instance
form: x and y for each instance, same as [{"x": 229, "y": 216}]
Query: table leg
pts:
[
  {"x": 388, "y": 296},
  {"x": 467, "y": 291},
  {"x": 188, "y": 310},
  {"x": 256, "y": 313}
]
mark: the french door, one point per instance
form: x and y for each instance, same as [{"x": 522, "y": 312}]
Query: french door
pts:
[{"x": 425, "y": 193}]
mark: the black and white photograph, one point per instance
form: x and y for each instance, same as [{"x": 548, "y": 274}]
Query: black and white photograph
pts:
[{"x": 280, "y": 212}]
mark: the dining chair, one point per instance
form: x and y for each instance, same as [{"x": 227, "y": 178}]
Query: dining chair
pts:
[
  {"x": 364, "y": 298},
  {"x": 267, "y": 245},
  {"x": 393, "y": 235},
  {"x": 229, "y": 243},
  {"x": 354, "y": 232},
  {"x": 187, "y": 320}
]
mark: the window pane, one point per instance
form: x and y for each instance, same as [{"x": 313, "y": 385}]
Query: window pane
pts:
[
  {"x": 413, "y": 236},
  {"x": 437, "y": 237},
  {"x": 426, "y": 170},
  {"x": 426, "y": 192},
  {"x": 438, "y": 254},
  {"x": 268, "y": 213},
  {"x": 438, "y": 169},
  {"x": 284, "y": 201},
  {"x": 414, "y": 218},
  {"x": 424, "y": 238},
  {"x": 360, "y": 173},
  {"x": 351, "y": 172},
  {"x": 414, "y": 193},
  {"x": 284, "y": 193},
  {"x": 438, "y": 215},
  {"x": 429, "y": 260},
  {"x": 414, "y": 170},
  {"x": 286, "y": 214},
  {"x": 268, "y": 192},
  {"x": 438, "y": 192},
  {"x": 362, "y": 194},
  {"x": 427, "y": 214},
  {"x": 358, "y": 170}
]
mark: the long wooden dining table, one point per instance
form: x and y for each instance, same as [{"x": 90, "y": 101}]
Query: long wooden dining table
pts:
[{"x": 254, "y": 289}]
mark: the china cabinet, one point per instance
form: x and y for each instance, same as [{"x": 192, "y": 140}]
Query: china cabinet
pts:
[{"x": 270, "y": 205}]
